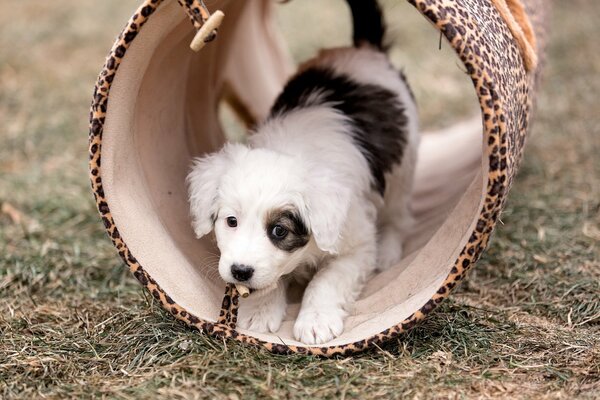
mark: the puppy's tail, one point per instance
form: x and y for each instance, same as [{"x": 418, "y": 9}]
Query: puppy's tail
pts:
[{"x": 367, "y": 20}]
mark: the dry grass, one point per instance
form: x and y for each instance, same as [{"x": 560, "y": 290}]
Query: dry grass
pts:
[{"x": 526, "y": 323}]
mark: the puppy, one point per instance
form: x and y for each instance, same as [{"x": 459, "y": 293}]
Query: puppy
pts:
[{"x": 320, "y": 191}]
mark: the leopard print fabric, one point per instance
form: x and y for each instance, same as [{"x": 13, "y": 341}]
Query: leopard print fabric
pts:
[{"x": 506, "y": 93}]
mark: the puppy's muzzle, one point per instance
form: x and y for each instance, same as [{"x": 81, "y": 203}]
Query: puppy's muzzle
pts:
[{"x": 241, "y": 273}]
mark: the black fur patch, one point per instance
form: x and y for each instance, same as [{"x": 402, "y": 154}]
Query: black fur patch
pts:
[
  {"x": 379, "y": 119},
  {"x": 297, "y": 236}
]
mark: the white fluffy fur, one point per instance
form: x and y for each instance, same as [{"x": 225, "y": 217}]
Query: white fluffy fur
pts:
[{"x": 307, "y": 160}]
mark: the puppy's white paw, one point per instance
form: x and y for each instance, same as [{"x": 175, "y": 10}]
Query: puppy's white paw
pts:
[
  {"x": 315, "y": 327},
  {"x": 266, "y": 317}
]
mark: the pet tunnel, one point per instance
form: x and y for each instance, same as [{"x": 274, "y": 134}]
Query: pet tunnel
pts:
[{"x": 155, "y": 108}]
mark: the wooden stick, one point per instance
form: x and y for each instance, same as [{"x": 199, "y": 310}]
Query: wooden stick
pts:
[
  {"x": 242, "y": 290},
  {"x": 208, "y": 31}
]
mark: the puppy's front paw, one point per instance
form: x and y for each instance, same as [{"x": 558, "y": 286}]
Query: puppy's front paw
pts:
[
  {"x": 262, "y": 318},
  {"x": 315, "y": 327}
]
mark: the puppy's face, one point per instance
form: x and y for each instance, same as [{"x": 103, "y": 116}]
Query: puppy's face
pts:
[
  {"x": 260, "y": 244},
  {"x": 269, "y": 213}
]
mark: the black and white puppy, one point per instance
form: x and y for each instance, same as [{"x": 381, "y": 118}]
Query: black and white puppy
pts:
[{"x": 321, "y": 189}]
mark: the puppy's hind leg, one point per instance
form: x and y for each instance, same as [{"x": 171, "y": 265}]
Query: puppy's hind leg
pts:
[
  {"x": 395, "y": 219},
  {"x": 390, "y": 247}
]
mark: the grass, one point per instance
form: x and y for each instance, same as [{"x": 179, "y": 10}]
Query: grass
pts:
[{"x": 73, "y": 323}]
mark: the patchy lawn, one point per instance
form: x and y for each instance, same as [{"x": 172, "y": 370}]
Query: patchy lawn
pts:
[{"x": 73, "y": 323}]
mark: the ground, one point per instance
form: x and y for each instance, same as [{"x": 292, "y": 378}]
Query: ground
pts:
[{"x": 74, "y": 323}]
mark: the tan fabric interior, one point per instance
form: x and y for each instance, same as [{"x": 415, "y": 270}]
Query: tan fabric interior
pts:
[{"x": 162, "y": 112}]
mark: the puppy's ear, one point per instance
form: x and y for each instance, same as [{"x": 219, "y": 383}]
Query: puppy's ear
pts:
[
  {"x": 203, "y": 186},
  {"x": 327, "y": 203}
]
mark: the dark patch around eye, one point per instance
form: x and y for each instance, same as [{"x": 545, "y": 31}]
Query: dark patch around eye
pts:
[{"x": 298, "y": 235}]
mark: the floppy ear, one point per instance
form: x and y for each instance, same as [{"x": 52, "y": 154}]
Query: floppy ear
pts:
[
  {"x": 203, "y": 186},
  {"x": 327, "y": 203}
]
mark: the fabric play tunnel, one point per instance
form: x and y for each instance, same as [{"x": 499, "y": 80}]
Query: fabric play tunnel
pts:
[{"x": 155, "y": 108}]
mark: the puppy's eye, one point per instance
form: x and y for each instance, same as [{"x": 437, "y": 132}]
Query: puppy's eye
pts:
[
  {"x": 231, "y": 222},
  {"x": 279, "y": 232}
]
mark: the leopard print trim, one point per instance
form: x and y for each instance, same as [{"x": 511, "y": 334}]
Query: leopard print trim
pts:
[
  {"x": 491, "y": 57},
  {"x": 196, "y": 11}
]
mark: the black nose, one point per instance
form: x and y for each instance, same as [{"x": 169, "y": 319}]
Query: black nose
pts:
[{"x": 241, "y": 272}]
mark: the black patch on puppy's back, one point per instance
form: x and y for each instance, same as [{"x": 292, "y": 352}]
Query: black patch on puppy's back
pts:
[{"x": 379, "y": 118}]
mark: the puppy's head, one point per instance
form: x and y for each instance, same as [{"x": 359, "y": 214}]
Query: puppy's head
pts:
[{"x": 269, "y": 211}]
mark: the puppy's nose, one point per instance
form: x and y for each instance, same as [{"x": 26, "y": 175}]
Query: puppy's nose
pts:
[{"x": 241, "y": 272}]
